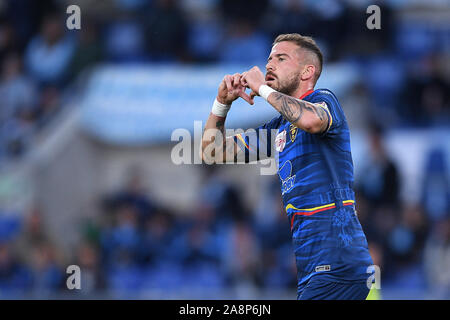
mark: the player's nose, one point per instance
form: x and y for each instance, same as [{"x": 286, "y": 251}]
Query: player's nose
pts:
[{"x": 270, "y": 66}]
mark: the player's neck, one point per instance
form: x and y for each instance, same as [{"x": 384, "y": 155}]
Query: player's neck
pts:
[{"x": 303, "y": 89}]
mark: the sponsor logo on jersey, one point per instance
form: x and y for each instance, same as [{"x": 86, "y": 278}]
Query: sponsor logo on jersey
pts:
[
  {"x": 280, "y": 141},
  {"x": 286, "y": 177},
  {"x": 323, "y": 268}
]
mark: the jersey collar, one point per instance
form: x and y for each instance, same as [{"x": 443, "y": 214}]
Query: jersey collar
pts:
[{"x": 307, "y": 93}]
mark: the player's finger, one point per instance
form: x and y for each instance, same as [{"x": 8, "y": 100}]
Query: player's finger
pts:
[
  {"x": 243, "y": 80},
  {"x": 236, "y": 79},
  {"x": 253, "y": 94},
  {"x": 222, "y": 85},
  {"x": 246, "y": 97},
  {"x": 228, "y": 82}
]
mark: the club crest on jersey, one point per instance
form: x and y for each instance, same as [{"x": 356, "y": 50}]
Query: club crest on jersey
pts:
[
  {"x": 293, "y": 132},
  {"x": 280, "y": 141},
  {"x": 286, "y": 177}
]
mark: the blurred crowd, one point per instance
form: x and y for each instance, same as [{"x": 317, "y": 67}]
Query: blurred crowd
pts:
[
  {"x": 408, "y": 239},
  {"x": 138, "y": 243}
]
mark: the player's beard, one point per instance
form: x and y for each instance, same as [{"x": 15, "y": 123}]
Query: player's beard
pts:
[{"x": 288, "y": 86}]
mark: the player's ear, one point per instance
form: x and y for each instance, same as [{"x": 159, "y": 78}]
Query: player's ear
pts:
[{"x": 308, "y": 71}]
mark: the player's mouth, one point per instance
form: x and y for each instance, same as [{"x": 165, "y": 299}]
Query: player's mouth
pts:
[{"x": 270, "y": 77}]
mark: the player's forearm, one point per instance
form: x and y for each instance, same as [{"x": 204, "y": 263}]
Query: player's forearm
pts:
[
  {"x": 213, "y": 131},
  {"x": 300, "y": 113},
  {"x": 215, "y": 146}
]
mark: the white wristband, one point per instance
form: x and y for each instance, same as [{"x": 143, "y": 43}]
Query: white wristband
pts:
[
  {"x": 264, "y": 91},
  {"x": 220, "y": 109}
]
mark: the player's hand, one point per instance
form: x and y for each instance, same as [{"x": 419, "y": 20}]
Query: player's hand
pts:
[
  {"x": 253, "y": 79},
  {"x": 231, "y": 88}
]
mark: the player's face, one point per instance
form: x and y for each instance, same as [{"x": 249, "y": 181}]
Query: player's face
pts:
[{"x": 284, "y": 67}]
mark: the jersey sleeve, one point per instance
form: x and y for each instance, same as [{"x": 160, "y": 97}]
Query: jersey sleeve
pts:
[
  {"x": 336, "y": 116},
  {"x": 258, "y": 144}
]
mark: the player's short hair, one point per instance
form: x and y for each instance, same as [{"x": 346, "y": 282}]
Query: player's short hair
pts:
[{"x": 306, "y": 43}]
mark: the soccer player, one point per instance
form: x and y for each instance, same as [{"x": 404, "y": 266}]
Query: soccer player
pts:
[{"x": 315, "y": 168}]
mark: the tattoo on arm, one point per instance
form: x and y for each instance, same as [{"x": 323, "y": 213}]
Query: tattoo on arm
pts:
[
  {"x": 292, "y": 109},
  {"x": 220, "y": 124},
  {"x": 226, "y": 147},
  {"x": 230, "y": 150}
]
